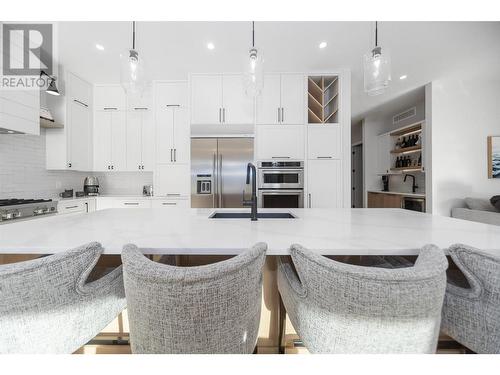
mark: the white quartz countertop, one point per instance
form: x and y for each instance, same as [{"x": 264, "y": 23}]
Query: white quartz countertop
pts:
[
  {"x": 416, "y": 195},
  {"x": 190, "y": 231}
]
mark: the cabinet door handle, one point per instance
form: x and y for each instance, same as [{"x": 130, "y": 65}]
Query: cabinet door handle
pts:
[
  {"x": 280, "y": 157},
  {"x": 323, "y": 157},
  {"x": 220, "y": 115},
  {"x": 112, "y": 167},
  {"x": 224, "y": 115},
  {"x": 81, "y": 103},
  {"x": 86, "y": 207},
  {"x": 173, "y": 194},
  {"x": 175, "y": 155},
  {"x": 109, "y": 167},
  {"x": 131, "y": 203},
  {"x": 282, "y": 114},
  {"x": 173, "y": 105},
  {"x": 139, "y": 166},
  {"x": 140, "y": 108},
  {"x": 309, "y": 196},
  {"x": 279, "y": 115},
  {"x": 169, "y": 204},
  {"x": 110, "y": 108},
  {"x": 70, "y": 207},
  {"x": 171, "y": 155},
  {"x": 69, "y": 165}
]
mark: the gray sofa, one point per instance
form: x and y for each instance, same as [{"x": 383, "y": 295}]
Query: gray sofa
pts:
[{"x": 477, "y": 209}]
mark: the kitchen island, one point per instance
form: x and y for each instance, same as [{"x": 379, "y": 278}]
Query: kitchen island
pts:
[{"x": 184, "y": 231}]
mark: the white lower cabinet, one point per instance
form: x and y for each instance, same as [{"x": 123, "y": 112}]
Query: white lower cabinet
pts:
[
  {"x": 280, "y": 142},
  {"x": 172, "y": 180},
  {"x": 167, "y": 203},
  {"x": 324, "y": 142},
  {"x": 132, "y": 203},
  {"x": 324, "y": 184},
  {"x": 76, "y": 206}
]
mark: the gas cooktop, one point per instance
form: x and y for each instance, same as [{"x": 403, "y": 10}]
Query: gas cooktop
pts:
[{"x": 12, "y": 209}]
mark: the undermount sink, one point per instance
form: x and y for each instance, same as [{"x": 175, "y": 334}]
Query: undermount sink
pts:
[{"x": 246, "y": 215}]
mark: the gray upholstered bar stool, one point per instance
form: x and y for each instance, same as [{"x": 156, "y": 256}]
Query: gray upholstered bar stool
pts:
[
  {"x": 471, "y": 311},
  {"x": 213, "y": 308},
  {"x": 47, "y": 305},
  {"x": 342, "y": 308}
]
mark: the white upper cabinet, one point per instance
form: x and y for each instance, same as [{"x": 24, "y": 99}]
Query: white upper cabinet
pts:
[
  {"x": 140, "y": 139},
  {"x": 324, "y": 142},
  {"x": 109, "y": 97},
  {"x": 206, "y": 99},
  {"x": 280, "y": 142},
  {"x": 220, "y": 99},
  {"x": 237, "y": 107},
  {"x": 282, "y": 100},
  {"x": 110, "y": 141},
  {"x": 292, "y": 99},
  {"x": 71, "y": 147},
  {"x": 324, "y": 184},
  {"x": 172, "y": 123},
  {"x": 383, "y": 153}
]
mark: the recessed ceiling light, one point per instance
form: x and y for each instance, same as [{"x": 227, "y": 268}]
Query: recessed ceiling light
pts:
[
  {"x": 210, "y": 45},
  {"x": 10, "y": 132},
  {"x": 322, "y": 45},
  {"x": 404, "y": 76},
  {"x": 100, "y": 47}
]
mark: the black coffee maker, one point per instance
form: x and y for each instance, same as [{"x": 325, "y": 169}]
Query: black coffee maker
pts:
[{"x": 385, "y": 182}]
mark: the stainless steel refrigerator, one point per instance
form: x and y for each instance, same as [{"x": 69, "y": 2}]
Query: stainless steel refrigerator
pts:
[{"x": 218, "y": 171}]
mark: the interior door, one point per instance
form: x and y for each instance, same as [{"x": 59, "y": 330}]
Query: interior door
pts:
[
  {"x": 292, "y": 99},
  {"x": 204, "y": 170},
  {"x": 102, "y": 141},
  {"x": 134, "y": 140},
  {"x": 119, "y": 141},
  {"x": 206, "y": 99},
  {"x": 238, "y": 107},
  {"x": 268, "y": 102},
  {"x": 234, "y": 155},
  {"x": 164, "y": 135},
  {"x": 181, "y": 134}
]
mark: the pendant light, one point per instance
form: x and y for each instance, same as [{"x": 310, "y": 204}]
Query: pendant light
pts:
[
  {"x": 377, "y": 69},
  {"x": 254, "y": 73},
  {"x": 132, "y": 68}
]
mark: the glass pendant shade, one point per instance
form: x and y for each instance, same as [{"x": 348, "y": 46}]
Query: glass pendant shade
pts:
[
  {"x": 377, "y": 71},
  {"x": 254, "y": 73},
  {"x": 132, "y": 71}
]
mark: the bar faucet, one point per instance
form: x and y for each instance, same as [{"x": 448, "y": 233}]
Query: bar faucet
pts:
[
  {"x": 413, "y": 185},
  {"x": 253, "y": 200}
]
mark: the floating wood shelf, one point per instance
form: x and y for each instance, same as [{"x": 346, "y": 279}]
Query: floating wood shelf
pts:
[
  {"x": 406, "y": 150},
  {"x": 323, "y": 102},
  {"x": 408, "y": 130},
  {"x": 417, "y": 168}
]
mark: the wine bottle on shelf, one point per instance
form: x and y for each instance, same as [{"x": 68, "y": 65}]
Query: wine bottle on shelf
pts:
[
  {"x": 418, "y": 141},
  {"x": 403, "y": 143},
  {"x": 420, "y": 160}
]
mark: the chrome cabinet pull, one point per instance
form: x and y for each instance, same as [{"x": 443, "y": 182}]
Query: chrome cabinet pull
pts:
[
  {"x": 280, "y": 157},
  {"x": 220, "y": 115},
  {"x": 282, "y": 114},
  {"x": 224, "y": 115},
  {"x": 323, "y": 157},
  {"x": 309, "y": 195},
  {"x": 173, "y": 194},
  {"x": 169, "y": 204},
  {"x": 131, "y": 203},
  {"x": 70, "y": 207},
  {"x": 110, "y": 108},
  {"x": 141, "y": 108},
  {"x": 279, "y": 115},
  {"x": 171, "y": 155},
  {"x": 81, "y": 103},
  {"x": 173, "y": 105},
  {"x": 175, "y": 155}
]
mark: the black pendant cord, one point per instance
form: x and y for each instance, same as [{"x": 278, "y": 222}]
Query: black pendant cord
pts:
[
  {"x": 133, "y": 34},
  {"x": 376, "y": 34},
  {"x": 253, "y": 34}
]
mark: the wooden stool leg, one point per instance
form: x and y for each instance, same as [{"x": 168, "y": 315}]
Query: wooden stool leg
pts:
[{"x": 281, "y": 333}]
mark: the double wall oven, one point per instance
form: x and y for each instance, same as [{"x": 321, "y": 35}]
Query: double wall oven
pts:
[{"x": 281, "y": 184}]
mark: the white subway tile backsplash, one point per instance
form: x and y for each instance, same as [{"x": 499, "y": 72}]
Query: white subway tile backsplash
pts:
[{"x": 23, "y": 173}]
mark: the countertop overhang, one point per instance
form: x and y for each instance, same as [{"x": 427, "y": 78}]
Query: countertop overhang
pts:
[{"x": 190, "y": 231}]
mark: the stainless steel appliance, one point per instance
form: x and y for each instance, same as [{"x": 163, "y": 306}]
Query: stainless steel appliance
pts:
[
  {"x": 281, "y": 184},
  {"x": 91, "y": 186},
  {"x": 218, "y": 171},
  {"x": 414, "y": 204},
  {"x": 147, "y": 190},
  {"x": 12, "y": 209}
]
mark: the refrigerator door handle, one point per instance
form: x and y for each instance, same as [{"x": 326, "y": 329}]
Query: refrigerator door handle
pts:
[
  {"x": 214, "y": 179},
  {"x": 221, "y": 192}
]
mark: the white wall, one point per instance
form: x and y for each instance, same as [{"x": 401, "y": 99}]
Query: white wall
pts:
[
  {"x": 373, "y": 125},
  {"x": 23, "y": 173},
  {"x": 462, "y": 112}
]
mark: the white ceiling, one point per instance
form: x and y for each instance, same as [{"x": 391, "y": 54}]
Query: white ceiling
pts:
[{"x": 423, "y": 51}]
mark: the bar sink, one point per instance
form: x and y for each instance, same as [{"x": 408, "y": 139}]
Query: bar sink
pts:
[{"x": 247, "y": 215}]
